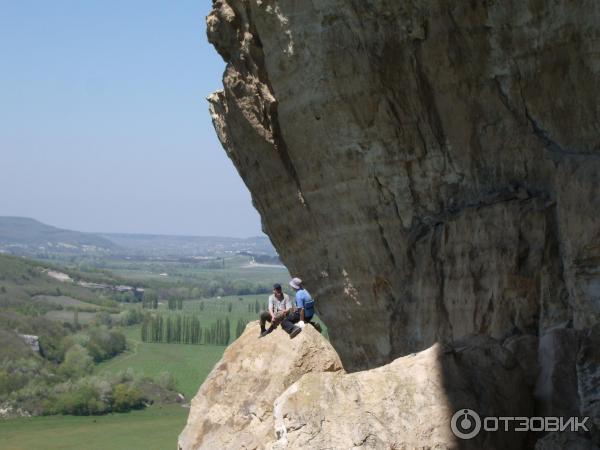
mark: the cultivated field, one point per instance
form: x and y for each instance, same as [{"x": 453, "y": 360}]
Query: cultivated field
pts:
[
  {"x": 155, "y": 428},
  {"x": 189, "y": 364}
]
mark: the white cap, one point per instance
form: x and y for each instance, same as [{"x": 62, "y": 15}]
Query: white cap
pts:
[{"x": 295, "y": 283}]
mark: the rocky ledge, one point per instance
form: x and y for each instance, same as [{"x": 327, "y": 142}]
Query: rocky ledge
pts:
[{"x": 276, "y": 393}]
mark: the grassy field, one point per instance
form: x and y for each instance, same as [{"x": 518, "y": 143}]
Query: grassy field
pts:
[
  {"x": 154, "y": 428},
  {"x": 189, "y": 364},
  {"x": 68, "y": 316},
  {"x": 236, "y": 268},
  {"x": 67, "y": 302}
]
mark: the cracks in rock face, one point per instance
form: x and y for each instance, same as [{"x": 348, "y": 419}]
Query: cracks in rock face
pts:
[
  {"x": 504, "y": 99},
  {"x": 427, "y": 99},
  {"x": 384, "y": 192},
  {"x": 476, "y": 276},
  {"x": 549, "y": 144},
  {"x": 546, "y": 288},
  {"x": 554, "y": 273},
  {"x": 486, "y": 318},
  {"x": 386, "y": 244},
  {"x": 365, "y": 439},
  {"x": 284, "y": 154},
  {"x": 255, "y": 65},
  {"x": 442, "y": 310},
  {"x": 499, "y": 196}
]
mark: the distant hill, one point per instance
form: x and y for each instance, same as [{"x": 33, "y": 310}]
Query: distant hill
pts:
[
  {"x": 189, "y": 246},
  {"x": 28, "y": 237}
]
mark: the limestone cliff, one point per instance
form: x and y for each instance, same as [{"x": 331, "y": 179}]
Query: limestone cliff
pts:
[{"x": 431, "y": 169}]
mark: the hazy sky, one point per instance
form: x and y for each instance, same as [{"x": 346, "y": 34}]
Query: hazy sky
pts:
[{"x": 104, "y": 124}]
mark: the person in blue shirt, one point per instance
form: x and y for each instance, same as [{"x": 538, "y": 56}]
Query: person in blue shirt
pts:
[
  {"x": 305, "y": 305},
  {"x": 304, "y": 302}
]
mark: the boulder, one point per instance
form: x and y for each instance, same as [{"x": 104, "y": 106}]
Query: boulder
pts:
[
  {"x": 233, "y": 408},
  {"x": 275, "y": 393},
  {"x": 408, "y": 403}
]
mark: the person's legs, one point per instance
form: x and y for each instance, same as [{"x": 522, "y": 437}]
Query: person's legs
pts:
[
  {"x": 265, "y": 317},
  {"x": 279, "y": 317},
  {"x": 274, "y": 323},
  {"x": 288, "y": 324},
  {"x": 294, "y": 316}
]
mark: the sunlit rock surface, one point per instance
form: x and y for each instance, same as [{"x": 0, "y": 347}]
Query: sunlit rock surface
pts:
[
  {"x": 276, "y": 393},
  {"x": 234, "y": 406},
  {"x": 406, "y": 404}
]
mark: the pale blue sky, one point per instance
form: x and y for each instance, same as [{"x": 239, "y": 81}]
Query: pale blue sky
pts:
[{"x": 103, "y": 119}]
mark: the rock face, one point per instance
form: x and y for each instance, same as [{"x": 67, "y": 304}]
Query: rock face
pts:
[
  {"x": 233, "y": 408},
  {"x": 406, "y": 404},
  {"x": 276, "y": 393},
  {"x": 32, "y": 341},
  {"x": 430, "y": 168}
]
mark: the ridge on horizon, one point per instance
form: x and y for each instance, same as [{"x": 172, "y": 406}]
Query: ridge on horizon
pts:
[{"x": 118, "y": 233}]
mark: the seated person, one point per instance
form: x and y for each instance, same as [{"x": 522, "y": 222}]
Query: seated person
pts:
[
  {"x": 305, "y": 310},
  {"x": 279, "y": 306},
  {"x": 304, "y": 302}
]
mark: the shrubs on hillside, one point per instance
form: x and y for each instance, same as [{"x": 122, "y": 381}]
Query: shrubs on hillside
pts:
[
  {"x": 94, "y": 395},
  {"x": 88, "y": 395},
  {"x": 104, "y": 343},
  {"x": 77, "y": 363},
  {"x": 127, "y": 397},
  {"x": 63, "y": 384},
  {"x": 131, "y": 317},
  {"x": 16, "y": 374}
]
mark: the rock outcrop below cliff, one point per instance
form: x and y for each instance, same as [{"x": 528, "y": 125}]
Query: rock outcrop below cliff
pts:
[
  {"x": 234, "y": 406},
  {"x": 431, "y": 168},
  {"x": 407, "y": 404},
  {"x": 276, "y": 393}
]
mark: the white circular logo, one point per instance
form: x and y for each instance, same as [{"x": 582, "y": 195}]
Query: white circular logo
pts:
[{"x": 465, "y": 424}]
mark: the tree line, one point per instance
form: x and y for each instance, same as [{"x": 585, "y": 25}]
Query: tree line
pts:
[
  {"x": 254, "y": 308},
  {"x": 180, "y": 329},
  {"x": 175, "y": 304},
  {"x": 186, "y": 329}
]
